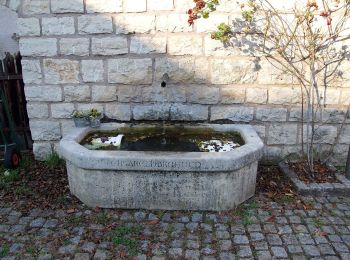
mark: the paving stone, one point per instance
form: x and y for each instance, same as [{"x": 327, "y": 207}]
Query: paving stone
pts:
[
  {"x": 294, "y": 219},
  {"x": 15, "y": 248},
  {"x": 240, "y": 239},
  {"x": 167, "y": 217},
  {"x": 305, "y": 239},
  {"x": 191, "y": 244},
  {"x": 184, "y": 219},
  {"x": 270, "y": 228},
  {"x": 4, "y": 228},
  {"x": 334, "y": 238},
  {"x": 244, "y": 251},
  {"x": 294, "y": 249},
  {"x": 17, "y": 229},
  {"x": 225, "y": 245},
  {"x": 260, "y": 245},
  {"x": 139, "y": 216},
  {"x": 311, "y": 250},
  {"x": 279, "y": 252},
  {"x": 192, "y": 226},
  {"x": 88, "y": 247},
  {"x": 254, "y": 228},
  {"x": 340, "y": 247},
  {"x": 285, "y": 230},
  {"x": 81, "y": 256},
  {"x": 326, "y": 249},
  {"x": 222, "y": 235},
  {"x": 192, "y": 254},
  {"x": 69, "y": 249},
  {"x": 208, "y": 250},
  {"x": 256, "y": 236},
  {"x": 175, "y": 252},
  {"x": 227, "y": 256},
  {"x": 290, "y": 239},
  {"x": 263, "y": 255},
  {"x": 51, "y": 223},
  {"x": 238, "y": 230},
  {"x": 206, "y": 227},
  {"x": 273, "y": 239},
  {"x": 197, "y": 217},
  {"x": 126, "y": 216},
  {"x": 101, "y": 254},
  {"x": 37, "y": 223}
]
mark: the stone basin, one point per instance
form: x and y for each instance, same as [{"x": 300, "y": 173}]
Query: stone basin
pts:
[{"x": 163, "y": 180}]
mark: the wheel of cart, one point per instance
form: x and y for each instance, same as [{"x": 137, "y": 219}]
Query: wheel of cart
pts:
[{"x": 9, "y": 145}]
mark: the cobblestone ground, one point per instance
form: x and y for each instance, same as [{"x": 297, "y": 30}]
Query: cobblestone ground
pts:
[{"x": 304, "y": 228}]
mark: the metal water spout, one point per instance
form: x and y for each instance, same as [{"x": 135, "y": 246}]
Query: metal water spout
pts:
[{"x": 165, "y": 79}]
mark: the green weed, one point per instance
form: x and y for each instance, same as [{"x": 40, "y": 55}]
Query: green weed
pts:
[
  {"x": 21, "y": 190},
  {"x": 26, "y": 162},
  {"x": 8, "y": 177},
  {"x": 74, "y": 220},
  {"x": 4, "y": 250},
  {"x": 123, "y": 236},
  {"x": 317, "y": 222},
  {"x": 54, "y": 160},
  {"x": 101, "y": 218}
]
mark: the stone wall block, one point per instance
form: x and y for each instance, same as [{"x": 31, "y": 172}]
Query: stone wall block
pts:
[
  {"x": 284, "y": 95},
  {"x": 233, "y": 113},
  {"x": 38, "y": 47},
  {"x": 156, "y": 5},
  {"x": 173, "y": 23},
  {"x": 43, "y": 93},
  {"x": 233, "y": 95},
  {"x": 181, "y": 112},
  {"x": 92, "y": 70},
  {"x": 103, "y": 93},
  {"x": 256, "y": 95},
  {"x": 182, "y": 70},
  {"x": 37, "y": 110},
  {"x": 58, "y": 25},
  {"x": 62, "y": 110},
  {"x": 77, "y": 93},
  {"x": 151, "y": 112},
  {"x": 109, "y": 46},
  {"x": 230, "y": 71},
  {"x": 148, "y": 44},
  {"x": 203, "y": 94},
  {"x": 282, "y": 134},
  {"x": 185, "y": 45},
  {"x": 34, "y": 7},
  {"x": 271, "y": 114},
  {"x": 74, "y": 46},
  {"x": 135, "y": 23},
  {"x": 130, "y": 71},
  {"x": 121, "y": 112},
  {"x": 104, "y": 6},
  {"x": 43, "y": 130},
  {"x": 31, "y": 71},
  {"x": 131, "y": 6},
  {"x": 67, "y": 6},
  {"x": 127, "y": 94},
  {"x": 28, "y": 27},
  {"x": 61, "y": 71},
  {"x": 95, "y": 24}
]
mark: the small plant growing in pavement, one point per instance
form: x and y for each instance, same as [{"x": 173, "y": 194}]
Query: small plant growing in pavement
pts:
[
  {"x": 309, "y": 43},
  {"x": 123, "y": 235}
]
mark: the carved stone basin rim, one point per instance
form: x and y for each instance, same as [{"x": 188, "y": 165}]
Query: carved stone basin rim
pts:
[{"x": 83, "y": 158}]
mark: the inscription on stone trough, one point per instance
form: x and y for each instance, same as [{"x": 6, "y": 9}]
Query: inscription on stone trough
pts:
[{"x": 167, "y": 164}]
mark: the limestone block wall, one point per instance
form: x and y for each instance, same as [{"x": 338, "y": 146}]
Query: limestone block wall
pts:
[{"x": 112, "y": 55}]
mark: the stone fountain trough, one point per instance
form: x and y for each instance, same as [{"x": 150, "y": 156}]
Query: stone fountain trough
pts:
[{"x": 163, "y": 180}]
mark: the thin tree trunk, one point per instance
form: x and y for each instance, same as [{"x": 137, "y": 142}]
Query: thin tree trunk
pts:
[{"x": 347, "y": 169}]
